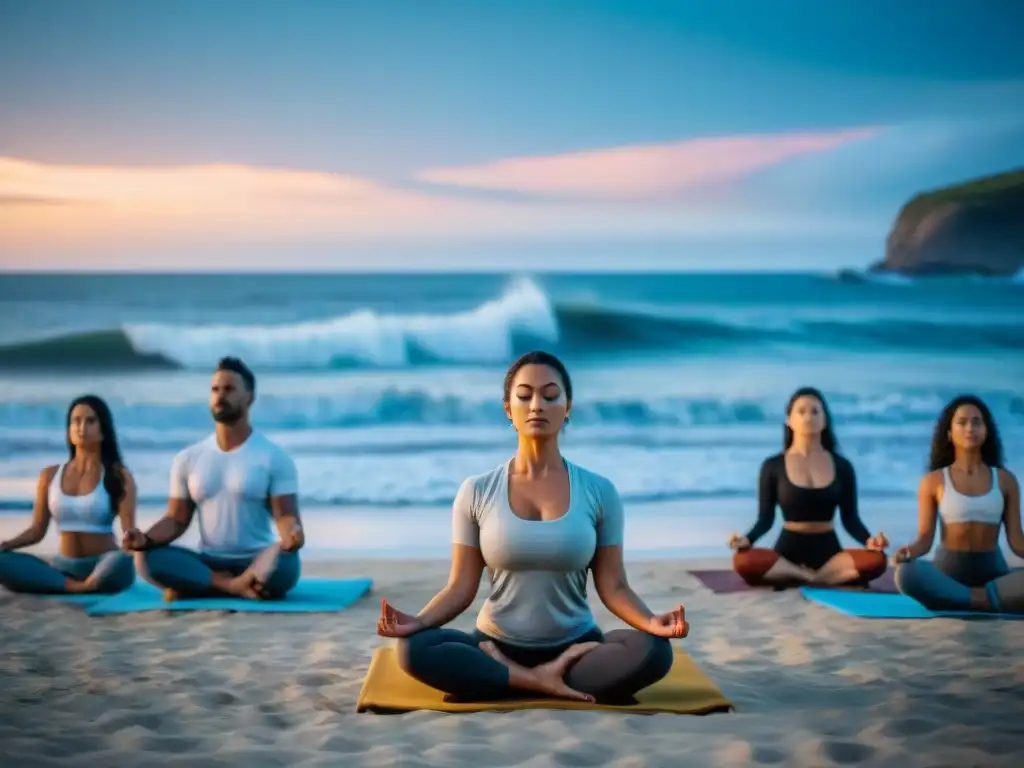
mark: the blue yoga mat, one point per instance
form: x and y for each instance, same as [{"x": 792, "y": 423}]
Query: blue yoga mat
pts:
[
  {"x": 874, "y": 605},
  {"x": 309, "y": 596}
]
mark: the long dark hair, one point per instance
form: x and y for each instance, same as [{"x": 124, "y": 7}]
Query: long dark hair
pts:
[
  {"x": 110, "y": 453},
  {"x": 828, "y": 435},
  {"x": 943, "y": 452}
]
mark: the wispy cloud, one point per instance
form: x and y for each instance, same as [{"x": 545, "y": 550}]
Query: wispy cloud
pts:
[
  {"x": 623, "y": 193},
  {"x": 644, "y": 171}
]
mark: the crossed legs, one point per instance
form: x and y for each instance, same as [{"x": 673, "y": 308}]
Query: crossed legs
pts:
[
  {"x": 184, "y": 573},
  {"x": 106, "y": 574},
  {"x": 609, "y": 668},
  {"x": 955, "y": 582},
  {"x": 828, "y": 567}
]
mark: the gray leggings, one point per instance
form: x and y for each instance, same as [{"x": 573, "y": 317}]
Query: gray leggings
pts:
[
  {"x": 945, "y": 584},
  {"x": 21, "y": 572},
  {"x": 451, "y": 661},
  {"x": 191, "y": 573}
]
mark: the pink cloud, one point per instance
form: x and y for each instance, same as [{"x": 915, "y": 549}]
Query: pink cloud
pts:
[
  {"x": 644, "y": 171},
  {"x": 128, "y": 215}
]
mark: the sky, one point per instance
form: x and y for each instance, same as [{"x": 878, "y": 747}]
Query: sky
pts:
[{"x": 560, "y": 134}]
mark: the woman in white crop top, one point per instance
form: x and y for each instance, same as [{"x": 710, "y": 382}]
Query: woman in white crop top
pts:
[
  {"x": 82, "y": 496},
  {"x": 971, "y": 495}
]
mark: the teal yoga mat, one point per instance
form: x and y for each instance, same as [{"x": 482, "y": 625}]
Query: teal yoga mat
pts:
[
  {"x": 873, "y": 605},
  {"x": 310, "y": 595}
]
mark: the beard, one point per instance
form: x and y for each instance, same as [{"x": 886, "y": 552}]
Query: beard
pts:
[{"x": 225, "y": 414}]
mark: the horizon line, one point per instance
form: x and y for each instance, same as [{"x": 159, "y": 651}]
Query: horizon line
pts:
[{"x": 403, "y": 272}]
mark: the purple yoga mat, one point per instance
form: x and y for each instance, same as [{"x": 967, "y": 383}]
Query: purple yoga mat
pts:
[{"x": 726, "y": 582}]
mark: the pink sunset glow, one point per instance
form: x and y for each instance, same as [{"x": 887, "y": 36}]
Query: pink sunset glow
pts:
[
  {"x": 643, "y": 172},
  {"x": 638, "y": 191}
]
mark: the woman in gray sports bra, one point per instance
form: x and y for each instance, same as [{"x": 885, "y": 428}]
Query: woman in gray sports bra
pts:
[
  {"x": 82, "y": 497},
  {"x": 538, "y": 523},
  {"x": 968, "y": 492}
]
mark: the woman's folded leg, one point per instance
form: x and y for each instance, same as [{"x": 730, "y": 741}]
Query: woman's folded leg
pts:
[
  {"x": 626, "y": 661},
  {"x": 114, "y": 572},
  {"x": 451, "y": 661},
  {"x": 22, "y": 572},
  {"x": 923, "y": 581}
]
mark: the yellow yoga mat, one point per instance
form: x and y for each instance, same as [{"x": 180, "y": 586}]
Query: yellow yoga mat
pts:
[{"x": 686, "y": 690}]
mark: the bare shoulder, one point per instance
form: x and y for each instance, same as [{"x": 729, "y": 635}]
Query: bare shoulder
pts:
[
  {"x": 1007, "y": 481},
  {"x": 126, "y": 475},
  {"x": 48, "y": 473},
  {"x": 931, "y": 481}
]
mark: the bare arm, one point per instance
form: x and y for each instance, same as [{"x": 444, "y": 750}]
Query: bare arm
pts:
[
  {"x": 180, "y": 508},
  {"x": 284, "y": 501},
  {"x": 173, "y": 524},
  {"x": 609, "y": 573},
  {"x": 460, "y": 591},
  {"x": 467, "y": 562},
  {"x": 1011, "y": 512},
  {"x": 126, "y": 508},
  {"x": 40, "y": 524},
  {"x": 927, "y": 515},
  {"x": 614, "y": 590},
  {"x": 285, "y": 510}
]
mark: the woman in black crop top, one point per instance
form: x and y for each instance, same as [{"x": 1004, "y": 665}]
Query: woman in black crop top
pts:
[{"x": 808, "y": 481}]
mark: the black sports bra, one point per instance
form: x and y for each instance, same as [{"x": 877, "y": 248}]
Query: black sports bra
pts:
[{"x": 807, "y": 505}]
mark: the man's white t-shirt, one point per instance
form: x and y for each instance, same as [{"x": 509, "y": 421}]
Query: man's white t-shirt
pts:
[{"x": 232, "y": 491}]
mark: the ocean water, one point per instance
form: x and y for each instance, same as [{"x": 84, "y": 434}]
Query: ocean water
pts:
[{"x": 387, "y": 388}]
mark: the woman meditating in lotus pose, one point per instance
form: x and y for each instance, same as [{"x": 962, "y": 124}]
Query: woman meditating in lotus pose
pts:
[
  {"x": 969, "y": 492},
  {"x": 83, "y": 497},
  {"x": 808, "y": 480},
  {"x": 538, "y": 523}
]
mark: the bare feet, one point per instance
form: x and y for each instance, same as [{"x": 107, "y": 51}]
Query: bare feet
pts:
[
  {"x": 547, "y": 679},
  {"x": 247, "y": 586},
  {"x": 552, "y": 675},
  {"x": 171, "y": 595},
  {"x": 76, "y": 587}
]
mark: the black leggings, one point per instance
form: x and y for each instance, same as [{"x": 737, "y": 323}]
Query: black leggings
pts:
[{"x": 451, "y": 661}]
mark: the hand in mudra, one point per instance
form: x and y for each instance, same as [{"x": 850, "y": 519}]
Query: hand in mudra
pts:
[
  {"x": 395, "y": 623},
  {"x": 902, "y": 555},
  {"x": 293, "y": 539},
  {"x": 134, "y": 540},
  {"x": 738, "y": 542},
  {"x": 671, "y": 624},
  {"x": 878, "y": 542}
]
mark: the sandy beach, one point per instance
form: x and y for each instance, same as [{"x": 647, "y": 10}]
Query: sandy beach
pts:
[{"x": 811, "y": 688}]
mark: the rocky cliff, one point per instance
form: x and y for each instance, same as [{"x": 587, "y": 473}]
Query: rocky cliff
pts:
[{"x": 972, "y": 228}]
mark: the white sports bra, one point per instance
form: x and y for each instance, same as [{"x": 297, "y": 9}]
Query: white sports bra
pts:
[
  {"x": 957, "y": 507},
  {"x": 90, "y": 513}
]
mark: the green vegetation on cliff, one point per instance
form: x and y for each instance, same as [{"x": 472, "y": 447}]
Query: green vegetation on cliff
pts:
[
  {"x": 975, "y": 190},
  {"x": 976, "y": 227}
]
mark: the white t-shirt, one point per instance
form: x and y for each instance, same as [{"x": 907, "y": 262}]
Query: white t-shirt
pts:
[{"x": 232, "y": 491}]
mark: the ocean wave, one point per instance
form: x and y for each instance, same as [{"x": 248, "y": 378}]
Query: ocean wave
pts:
[
  {"x": 522, "y": 318},
  {"x": 415, "y": 407}
]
